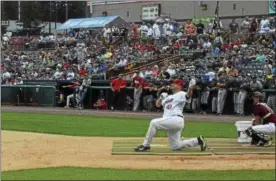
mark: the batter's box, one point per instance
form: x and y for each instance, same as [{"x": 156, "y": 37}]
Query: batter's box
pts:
[{"x": 216, "y": 146}]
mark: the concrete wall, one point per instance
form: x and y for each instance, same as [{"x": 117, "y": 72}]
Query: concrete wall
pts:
[{"x": 184, "y": 9}]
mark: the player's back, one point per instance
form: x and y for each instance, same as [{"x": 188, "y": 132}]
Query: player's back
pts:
[
  {"x": 265, "y": 112},
  {"x": 174, "y": 104}
]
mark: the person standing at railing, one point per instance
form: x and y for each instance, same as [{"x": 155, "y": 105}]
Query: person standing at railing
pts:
[
  {"x": 222, "y": 92},
  {"x": 244, "y": 88},
  {"x": 83, "y": 90},
  {"x": 256, "y": 85},
  {"x": 204, "y": 96},
  {"x": 214, "y": 95},
  {"x": 117, "y": 87},
  {"x": 271, "y": 95},
  {"x": 137, "y": 83}
]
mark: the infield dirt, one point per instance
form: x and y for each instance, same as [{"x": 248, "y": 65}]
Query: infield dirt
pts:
[{"x": 23, "y": 150}]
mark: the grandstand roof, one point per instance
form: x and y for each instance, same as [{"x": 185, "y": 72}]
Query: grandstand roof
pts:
[{"x": 95, "y": 22}]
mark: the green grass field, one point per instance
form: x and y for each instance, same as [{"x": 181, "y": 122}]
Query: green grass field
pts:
[
  {"x": 117, "y": 127},
  {"x": 68, "y": 173},
  {"x": 104, "y": 127}
]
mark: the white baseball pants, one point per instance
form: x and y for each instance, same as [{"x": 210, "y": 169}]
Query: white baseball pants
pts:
[
  {"x": 266, "y": 128},
  {"x": 173, "y": 126},
  {"x": 70, "y": 97}
]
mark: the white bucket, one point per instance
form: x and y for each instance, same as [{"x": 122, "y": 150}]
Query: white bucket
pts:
[{"x": 241, "y": 127}]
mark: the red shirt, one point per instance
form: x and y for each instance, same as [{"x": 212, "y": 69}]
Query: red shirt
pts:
[
  {"x": 73, "y": 85},
  {"x": 117, "y": 84},
  {"x": 142, "y": 48},
  {"x": 176, "y": 45},
  {"x": 82, "y": 72},
  {"x": 146, "y": 84},
  {"x": 138, "y": 82},
  {"x": 66, "y": 66},
  {"x": 151, "y": 48},
  {"x": 265, "y": 112},
  {"x": 235, "y": 43},
  {"x": 101, "y": 104}
]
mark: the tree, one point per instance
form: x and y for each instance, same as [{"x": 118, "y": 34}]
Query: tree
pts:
[
  {"x": 76, "y": 9},
  {"x": 32, "y": 15},
  {"x": 9, "y": 10}
]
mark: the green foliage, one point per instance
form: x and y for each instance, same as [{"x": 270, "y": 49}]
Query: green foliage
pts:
[
  {"x": 103, "y": 126},
  {"x": 35, "y": 14},
  {"x": 68, "y": 173}
]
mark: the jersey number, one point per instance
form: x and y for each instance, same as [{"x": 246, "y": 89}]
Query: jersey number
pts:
[{"x": 169, "y": 106}]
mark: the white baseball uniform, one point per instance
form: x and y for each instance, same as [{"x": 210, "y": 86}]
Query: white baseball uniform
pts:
[{"x": 172, "y": 122}]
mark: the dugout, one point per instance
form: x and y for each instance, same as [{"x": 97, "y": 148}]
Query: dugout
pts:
[{"x": 45, "y": 93}]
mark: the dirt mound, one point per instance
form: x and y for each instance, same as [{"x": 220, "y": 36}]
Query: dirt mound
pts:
[{"x": 22, "y": 150}]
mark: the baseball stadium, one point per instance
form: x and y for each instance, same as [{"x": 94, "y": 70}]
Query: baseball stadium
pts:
[{"x": 138, "y": 90}]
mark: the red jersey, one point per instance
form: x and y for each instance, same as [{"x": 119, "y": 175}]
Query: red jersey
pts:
[
  {"x": 117, "y": 84},
  {"x": 138, "y": 82},
  {"x": 265, "y": 112},
  {"x": 73, "y": 85},
  {"x": 101, "y": 104}
]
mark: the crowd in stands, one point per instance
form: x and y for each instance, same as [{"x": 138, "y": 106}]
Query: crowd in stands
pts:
[{"x": 236, "y": 57}]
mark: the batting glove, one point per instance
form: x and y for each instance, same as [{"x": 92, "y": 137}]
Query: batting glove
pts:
[
  {"x": 192, "y": 83},
  {"x": 164, "y": 95}
]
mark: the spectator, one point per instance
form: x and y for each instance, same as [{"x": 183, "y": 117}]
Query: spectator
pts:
[
  {"x": 155, "y": 71},
  {"x": 222, "y": 92},
  {"x": 255, "y": 85},
  {"x": 101, "y": 102},
  {"x": 70, "y": 75},
  {"x": 75, "y": 96},
  {"x": 83, "y": 90},
  {"x": 117, "y": 87},
  {"x": 137, "y": 82},
  {"x": 234, "y": 27}
]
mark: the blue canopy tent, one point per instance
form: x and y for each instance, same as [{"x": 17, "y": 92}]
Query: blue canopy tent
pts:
[{"x": 96, "y": 22}]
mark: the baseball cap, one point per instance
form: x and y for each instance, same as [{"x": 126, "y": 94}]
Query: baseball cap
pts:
[
  {"x": 257, "y": 94},
  {"x": 179, "y": 82}
]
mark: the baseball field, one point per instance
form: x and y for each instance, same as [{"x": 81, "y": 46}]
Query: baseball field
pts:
[{"x": 59, "y": 144}]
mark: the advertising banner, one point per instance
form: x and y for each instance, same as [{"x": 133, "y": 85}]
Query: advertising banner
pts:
[
  {"x": 271, "y": 7},
  {"x": 150, "y": 12}
]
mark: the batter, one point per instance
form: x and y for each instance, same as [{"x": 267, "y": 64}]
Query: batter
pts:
[{"x": 173, "y": 120}]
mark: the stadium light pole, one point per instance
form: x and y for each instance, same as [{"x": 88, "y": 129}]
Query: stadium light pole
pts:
[
  {"x": 55, "y": 14},
  {"x": 66, "y": 11},
  {"x": 19, "y": 11},
  {"x": 50, "y": 11}
]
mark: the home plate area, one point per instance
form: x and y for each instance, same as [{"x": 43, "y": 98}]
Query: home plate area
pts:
[{"x": 215, "y": 147}]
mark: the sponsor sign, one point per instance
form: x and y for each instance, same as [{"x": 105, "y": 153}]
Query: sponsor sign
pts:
[
  {"x": 151, "y": 12},
  {"x": 271, "y": 7}
]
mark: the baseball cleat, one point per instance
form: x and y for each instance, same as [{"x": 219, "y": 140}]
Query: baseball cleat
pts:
[
  {"x": 142, "y": 148},
  {"x": 266, "y": 143},
  {"x": 202, "y": 143}
]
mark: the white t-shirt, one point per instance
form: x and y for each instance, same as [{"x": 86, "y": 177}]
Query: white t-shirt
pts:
[
  {"x": 57, "y": 74},
  {"x": 245, "y": 24},
  {"x": 144, "y": 29},
  {"x": 6, "y": 75},
  {"x": 174, "y": 104},
  {"x": 171, "y": 72},
  {"x": 207, "y": 45},
  {"x": 150, "y": 32},
  {"x": 264, "y": 23},
  {"x": 70, "y": 75}
]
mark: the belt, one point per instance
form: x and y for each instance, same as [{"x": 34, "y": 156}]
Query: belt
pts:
[{"x": 178, "y": 116}]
